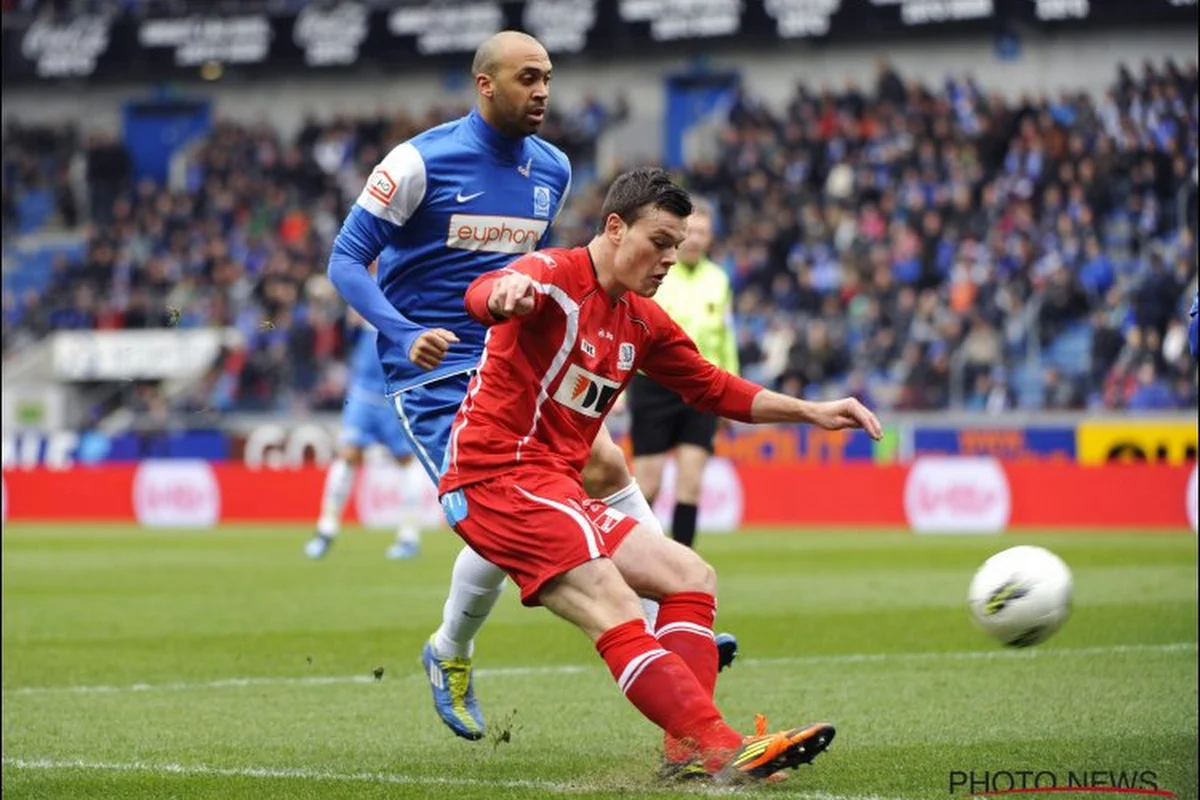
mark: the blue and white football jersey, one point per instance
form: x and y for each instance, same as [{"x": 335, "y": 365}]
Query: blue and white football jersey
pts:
[{"x": 440, "y": 210}]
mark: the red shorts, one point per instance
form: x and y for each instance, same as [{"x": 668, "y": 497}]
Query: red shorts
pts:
[{"x": 535, "y": 525}]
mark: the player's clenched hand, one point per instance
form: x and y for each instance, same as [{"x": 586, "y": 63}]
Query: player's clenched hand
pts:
[
  {"x": 512, "y": 296},
  {"x": 836, "y": 415},
  {"x": 430, "y": 347}
]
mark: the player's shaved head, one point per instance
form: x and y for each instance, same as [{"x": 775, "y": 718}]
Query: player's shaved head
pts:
[
  {"x": 503, "y": 46},
  {"x": 512, "y": 82}
]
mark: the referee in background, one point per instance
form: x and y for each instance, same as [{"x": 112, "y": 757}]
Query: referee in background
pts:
[{"x": 697, "y": 295}]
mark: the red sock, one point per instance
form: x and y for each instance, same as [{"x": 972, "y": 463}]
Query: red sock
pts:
[
  {"x": 661, "y": 686},
  {"x": 685, "y": 627}
]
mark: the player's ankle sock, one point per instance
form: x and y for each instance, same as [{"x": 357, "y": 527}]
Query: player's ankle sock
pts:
[
  {"x": 632, "y": 503},
  {"x": 685, "y": 627},
  {"x": 475, "y": 586},
  {"x": 339, "y": 479},
  {"x": 683, "y": 524},
  {"x": 413, "y": 482},
  {"x": 660, "y": 685}
]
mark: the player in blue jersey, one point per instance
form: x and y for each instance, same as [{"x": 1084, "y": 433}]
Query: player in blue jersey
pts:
[
  {"x": 368, "y": 419},
  {"x": 441, "y": 209}
]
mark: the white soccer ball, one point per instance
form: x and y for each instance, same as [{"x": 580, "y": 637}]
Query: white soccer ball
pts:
[{"x": 1022, "y": 595}]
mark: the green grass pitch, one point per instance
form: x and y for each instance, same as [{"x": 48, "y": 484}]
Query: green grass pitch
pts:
[{"x": 223, "y": 664}]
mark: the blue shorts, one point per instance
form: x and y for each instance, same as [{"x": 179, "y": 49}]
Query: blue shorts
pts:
[
  {"x": 427, "y": 413},
  {"x": 367, "y": 421}
]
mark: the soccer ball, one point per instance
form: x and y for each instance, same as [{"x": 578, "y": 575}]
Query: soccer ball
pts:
[{"x": 1022, "y": 595}]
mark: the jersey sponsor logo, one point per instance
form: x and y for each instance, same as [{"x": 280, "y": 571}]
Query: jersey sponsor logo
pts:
[
  {"x": 381, "y": 186},
  {"x": 625, "y": 356},
  {"x": 494, "y": 234},
  {"x": 588, "y": 348},
  {"x": 466, "y": 198},
  {"x": 585, "y": 392},
  {"x": 541, "y": 201}
]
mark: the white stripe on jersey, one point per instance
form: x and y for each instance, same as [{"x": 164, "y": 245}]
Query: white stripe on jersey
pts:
[
  {"x": 571, "y": 310},
  {"x": 589, "y": 534},
  {"x": 396, "y": 187}
]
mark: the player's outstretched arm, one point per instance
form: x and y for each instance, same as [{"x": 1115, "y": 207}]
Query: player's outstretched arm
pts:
[{"x": 832, "y": 415}]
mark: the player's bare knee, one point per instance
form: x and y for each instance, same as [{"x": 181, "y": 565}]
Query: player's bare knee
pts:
[
  {"x": 352, "y": 456},
  {"x": 694, "y": 574}
]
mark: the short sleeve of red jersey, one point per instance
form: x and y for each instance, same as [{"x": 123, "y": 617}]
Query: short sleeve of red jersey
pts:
[
  {"x": 674, "y": 361},
  {"x": 539, "y": 266}
]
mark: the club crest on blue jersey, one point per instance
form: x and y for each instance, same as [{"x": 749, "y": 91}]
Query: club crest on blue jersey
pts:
[{"x": 541, "y": 201}]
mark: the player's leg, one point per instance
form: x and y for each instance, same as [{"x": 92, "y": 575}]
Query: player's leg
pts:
[
  {"x": 696, "y": 435},
  {"x": 339, "y": 478},
  {"x": 565, "y": 567},
  {"x": 426, "y": 414},
  {"x": 686, "y": 587},
  {"x": 606, "y": 477},
  {"x": 652, "y": 431},
  {"x": 388, "y": 431}
]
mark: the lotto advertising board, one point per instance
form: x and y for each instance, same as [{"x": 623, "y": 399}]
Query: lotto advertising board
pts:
[{"x": 932, "y": 495}]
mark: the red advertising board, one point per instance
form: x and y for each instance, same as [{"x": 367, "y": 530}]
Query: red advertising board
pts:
[{"x": 939, "y": 494}]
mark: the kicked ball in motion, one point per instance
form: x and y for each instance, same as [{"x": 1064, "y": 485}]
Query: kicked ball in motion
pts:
[{"x": 1022, "y": 595}]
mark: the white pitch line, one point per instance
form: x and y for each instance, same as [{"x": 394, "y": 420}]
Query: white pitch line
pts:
[
  {"x": 291, "y": 773},
  {"x": 571, "y": 669}
]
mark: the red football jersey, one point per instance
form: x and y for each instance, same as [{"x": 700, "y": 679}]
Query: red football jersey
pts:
[{"x": 547, "y": 379}]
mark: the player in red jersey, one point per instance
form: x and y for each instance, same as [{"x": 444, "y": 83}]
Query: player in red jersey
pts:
[{"x": 569, "y": 330}]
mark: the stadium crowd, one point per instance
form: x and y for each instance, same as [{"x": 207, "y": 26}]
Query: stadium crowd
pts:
[{"x": 918, "y": 246}]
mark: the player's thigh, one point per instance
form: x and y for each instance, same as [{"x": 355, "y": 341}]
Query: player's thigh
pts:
[
  {"x": 387, "y": 431},
  {"x": 606, "y": 471},
  {"x": 592, "y": 595},
  {"x": 648, "y": 470},
  {"x": 355, "y": 434},
  {"x": 655, "y": 566},
  {"x": 427, "y": 415}
]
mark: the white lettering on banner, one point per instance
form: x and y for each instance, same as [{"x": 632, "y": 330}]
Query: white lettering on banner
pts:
[
  {"x": 275, "y": 447},
  {"x": 447, "y": 27},
  {"x": 925, "y": 12},
  {"x": 560, "y": 25},
  {"x": 1061, "y": 9},
  {"x": 1192, "y": 500},
  {"x": 24, "y": 449},
  {"x": 721, "y": 499},
  {"x": 795, "y": 19},
  {"x": 176, "y": 494},
  {"x": 684, "y": 19},
  {"x": 492, "y": 234},
  {"x": 330, "y": 36},
  {"x": 949, "y": 494},
  {"x": 131, "y": 355},
  {"x": 196, "y": 39},
  {"x": 379, "y": 498},
  {"x": 66, "y": 49}
]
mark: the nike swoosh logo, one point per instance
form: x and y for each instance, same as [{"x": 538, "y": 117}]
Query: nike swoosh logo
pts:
[{"x": 463, "y": 198}]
